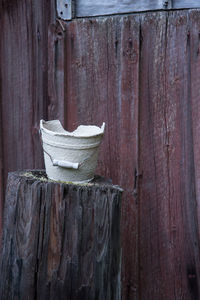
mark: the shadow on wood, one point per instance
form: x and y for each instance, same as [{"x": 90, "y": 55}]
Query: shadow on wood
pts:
[{"x": 60, "y": 241}]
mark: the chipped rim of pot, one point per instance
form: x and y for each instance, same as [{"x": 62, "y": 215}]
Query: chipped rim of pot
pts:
[{"x": 89, "y": 130}]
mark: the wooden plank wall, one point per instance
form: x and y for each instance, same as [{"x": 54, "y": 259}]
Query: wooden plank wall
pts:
[
  {"x": 103, "y": 85},
  {"x": 1, "y": 137},
  {"x": 140, "y": 74},
  {"x": 24, "y": 70},
  {"x": 85, "y": 8},
  {"x": 169, "y": 198}
]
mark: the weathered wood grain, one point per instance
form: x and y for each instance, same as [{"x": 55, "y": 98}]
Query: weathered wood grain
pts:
[
  {"x": 185, "y": 4},
  {"x": 89, "y": 8},
  {"x": 24, "y": 76},
  {"x": 128, "y": 117},
  {"x": 102, "y": 85},
  {"x": 100, "y": 8},
  {"x": 1, "y": 139},
  {"x": 169, "y": 231},
  {"x": 194, "y": 60},
  {"x": 156, "y": 267},
  {"x": 137, "y": 73},
  {"x": 1, "y": 171},
  {"x": 150, "y": 61},
  {"x": 60, "y": 241},
  {"x": 56, "y": 71}
]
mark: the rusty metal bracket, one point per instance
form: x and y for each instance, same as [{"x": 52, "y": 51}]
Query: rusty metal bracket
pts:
[{"x": 66, "y": 9}]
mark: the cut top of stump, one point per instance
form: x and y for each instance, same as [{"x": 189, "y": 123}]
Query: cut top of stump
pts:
[{"x": 41, "y": 176}]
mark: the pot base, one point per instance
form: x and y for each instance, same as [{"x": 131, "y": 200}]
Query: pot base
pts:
[{"x": 73, "y": 182}]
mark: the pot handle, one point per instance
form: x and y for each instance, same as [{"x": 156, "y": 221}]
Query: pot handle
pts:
[{"x": 65, "y": 164}]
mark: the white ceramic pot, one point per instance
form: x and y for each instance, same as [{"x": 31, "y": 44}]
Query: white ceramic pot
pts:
[{"x": 70, "y": 156}]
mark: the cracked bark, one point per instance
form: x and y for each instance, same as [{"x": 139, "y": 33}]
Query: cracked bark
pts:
[{"x": 60, "y": 241}]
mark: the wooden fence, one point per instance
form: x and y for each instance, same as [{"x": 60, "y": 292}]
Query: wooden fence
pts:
[{"x": 140, "y": 74}]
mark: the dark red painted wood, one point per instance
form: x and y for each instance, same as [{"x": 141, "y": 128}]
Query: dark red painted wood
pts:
[
  {"x": 1, "y": 172},
  {"x": 195, "y": 97},
  {"x": 24, "y": 63},
  {"x": 139, "y": 74},
  {"x": 1, "y": 137},
  {"x": 169, "y": 243},
  {"x": 156, "y": 68},
  {"x": 102, "y": 85},
  {"x": 56, "y": 71}
]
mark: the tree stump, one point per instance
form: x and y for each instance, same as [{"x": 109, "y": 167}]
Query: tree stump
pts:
[{"x": 60, "y": 240}]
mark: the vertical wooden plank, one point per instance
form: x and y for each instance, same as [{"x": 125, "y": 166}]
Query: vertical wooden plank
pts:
[
  {"x": 102, "y": 85},
  {"x": 1, "y": 175},
  {"x": 184, "y": 221},
  {"x": 153, "y": 162},
  {"x": 87, "y": 79},
  {"x": 56, "y": 71},
  {"x": 1, "y": 169},
  {"x": 1, "y": 133},
  {"x": 24, "y": 82},
  {"x": 169, "y": 243},
  {"x": 127, "y": 116},
  {"x": 194, "y": 31},
  {"x": 41, "y": 12}
]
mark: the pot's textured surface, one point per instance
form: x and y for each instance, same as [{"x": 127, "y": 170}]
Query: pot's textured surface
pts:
[{"x": 70, "y": 156}]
